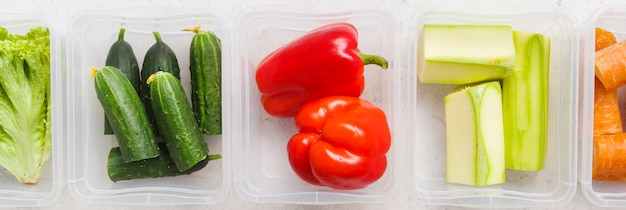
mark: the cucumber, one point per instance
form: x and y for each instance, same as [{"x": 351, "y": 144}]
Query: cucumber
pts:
[
  {"x": 449, "y": 55},
  {"x": 175, "y": 121},
  {"x": 206, "y": 80},
  {"x": 159, "y": 57},
  {"x": 126, "y": 113},
  {"x": 525, "y": 103},
  {"x": 161, "y": 166},
  {"x": 122, "y": 56},
  {"x": 475, "y": 135}
]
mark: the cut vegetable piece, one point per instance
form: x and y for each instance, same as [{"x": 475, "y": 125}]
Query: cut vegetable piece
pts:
[
  {"x": 463, "y": 54},
  {"x": 604, "y": 39},
  {"x": 525, "y": 103},
  {"x": 475, "y": 135},
  {"x": 606, "y": 114},
  {"x": 610, "y": 65},
  {"x": 609, "y": 157}
]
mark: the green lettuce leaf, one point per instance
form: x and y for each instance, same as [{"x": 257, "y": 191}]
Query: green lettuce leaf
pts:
[{"x": 25, "y": 136}]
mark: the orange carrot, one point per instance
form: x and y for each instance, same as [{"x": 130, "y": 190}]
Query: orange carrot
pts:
[
  {"x": 610, "y": 65},
  {"x": 606, "y": 113},
  {"x": 604, "y": 38},
  {"x": 609, "y": 157}
]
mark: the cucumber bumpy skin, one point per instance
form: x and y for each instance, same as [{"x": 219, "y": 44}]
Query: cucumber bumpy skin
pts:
[
  {"x": 160, "y": 57},
  {"x": 122, "y": 56},
  {"x": 206, "y": 82},
  {"x": 161, "y": 166},
  {"x": 126, "y": 113},
  {"x": 175, "y": 121}
]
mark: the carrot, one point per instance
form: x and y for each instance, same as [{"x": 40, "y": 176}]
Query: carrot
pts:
[
  {"x": 606, "y": 114},
  {"x": 610, "y": 65},
  {"x": 609, "y": 142},
  {"x": 609, "y": 157},
  {"x": 604, "y": 38}
]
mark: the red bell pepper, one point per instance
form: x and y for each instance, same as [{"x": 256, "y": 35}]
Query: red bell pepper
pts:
[
  {"x": 324, "y": 62},
  {"x": 342, "y": 143}
]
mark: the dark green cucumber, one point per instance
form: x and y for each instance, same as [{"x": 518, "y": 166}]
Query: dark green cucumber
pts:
[
  {"x": 122, "y": 56},
  {"x": 159, "y": 57},
  {"x": 161, "y": 166},
  {"x": 175, "y": 120},
  {"x": 126, "y": 113},
  {"x": 206, "y": 80}
]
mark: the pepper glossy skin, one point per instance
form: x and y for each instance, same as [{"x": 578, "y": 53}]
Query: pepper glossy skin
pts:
[
  {"x": 324, "y": 62},
  {"x": 342, "y": 143}
]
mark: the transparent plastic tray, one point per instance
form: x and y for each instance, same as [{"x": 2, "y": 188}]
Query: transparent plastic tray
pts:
[
  {"x": 555, "y": 185},
  {"x": 601, "y": 193},
  {"x": 90, "y": 35},
  {"x": 262, "y": 172},
  {"x": 49, "y": 188}
]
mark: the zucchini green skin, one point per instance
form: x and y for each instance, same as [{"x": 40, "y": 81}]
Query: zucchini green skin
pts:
[
  {"x": 126, "y": 113},
  {"x": 175, "y": 121},
  {"x": 206, "y": 81},
  {"x": 122, "y": 56},
  {"x": 161, "y": 166},
  {"x": 159, "y": 57}
]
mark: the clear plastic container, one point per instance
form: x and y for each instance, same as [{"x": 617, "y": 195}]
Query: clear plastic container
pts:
[
  {"x": 555, "y": 185},
  {"x": 90, "y": 34},
  {"x": 50, "y": 186},
  {"x": 601, "y": 193},
  {"x": 262, "y": 170}
]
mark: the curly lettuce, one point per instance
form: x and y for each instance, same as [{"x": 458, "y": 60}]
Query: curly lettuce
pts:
[{"x": 25, "y": 111}]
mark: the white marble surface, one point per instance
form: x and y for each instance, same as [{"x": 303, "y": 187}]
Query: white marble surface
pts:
[{"x": 61, "y": 10}]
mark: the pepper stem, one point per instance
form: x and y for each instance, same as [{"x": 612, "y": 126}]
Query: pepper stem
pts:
[
  {"x": 373, "y": 59},
  {"x": 157, "y": 36},
  {"x": 120, "y": 36}
]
